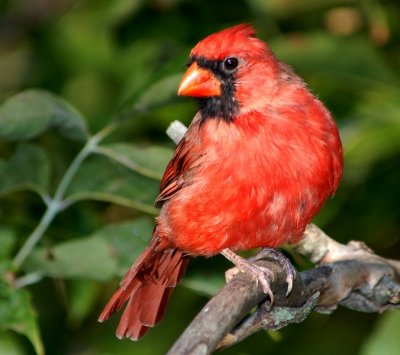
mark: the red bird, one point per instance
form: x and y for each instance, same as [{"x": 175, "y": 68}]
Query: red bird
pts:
[{"x": 256, "y": 164}]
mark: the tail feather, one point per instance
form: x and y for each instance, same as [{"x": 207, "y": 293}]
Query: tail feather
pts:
[
  {"x": 129, "y": 325},
  {"x": 146, "y": 289},
  {"x": 151, "y": 312}
]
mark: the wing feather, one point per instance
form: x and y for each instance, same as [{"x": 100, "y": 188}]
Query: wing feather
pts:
[{"x": 178, "y": 171}]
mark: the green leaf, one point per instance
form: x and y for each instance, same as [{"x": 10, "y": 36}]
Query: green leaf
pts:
[
  {"x": 385, "y": 339},
  {"x": 7, "y": 242},
  {"x": 16, "y": 313},
  {"x": 148, "y": 161},
  {"x": 101, "y": 179},
  {"x": 157, "y": 95},
  {"x": 126, "y": 240},
  {"x": 27, "y": 169},
  {"x": 85, "y": 258},
  {"x": 107, "y": 252},
  {"x": 31, "y": 112}
]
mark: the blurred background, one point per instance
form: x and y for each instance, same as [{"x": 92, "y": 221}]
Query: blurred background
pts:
[{"x": 113, "y": 61}]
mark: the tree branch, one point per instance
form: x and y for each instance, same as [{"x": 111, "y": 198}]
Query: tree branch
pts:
[{"x": 349, "y": 275}]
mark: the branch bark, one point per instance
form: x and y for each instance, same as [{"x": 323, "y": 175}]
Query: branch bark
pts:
[{"x": 349, "y": 275}]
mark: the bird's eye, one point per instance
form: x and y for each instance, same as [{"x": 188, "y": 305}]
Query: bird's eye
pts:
[{"x": 231, "y": 63}]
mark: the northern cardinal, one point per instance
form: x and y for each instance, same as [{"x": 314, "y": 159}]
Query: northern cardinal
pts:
[{"x": 256, "y": 164}]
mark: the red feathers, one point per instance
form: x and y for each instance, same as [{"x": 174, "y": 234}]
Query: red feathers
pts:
[
  {"x": 236, "y": 39},
  {"x": 256, "y": 164},
  {"x": 146, "y": 288}
]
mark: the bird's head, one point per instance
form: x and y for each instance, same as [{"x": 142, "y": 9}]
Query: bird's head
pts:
[{"x": 229, "y": 72}]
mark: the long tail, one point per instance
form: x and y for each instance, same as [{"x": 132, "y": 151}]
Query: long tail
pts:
[{"x": 146, "y": 287}]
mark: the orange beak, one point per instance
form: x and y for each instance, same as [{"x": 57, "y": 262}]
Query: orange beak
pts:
[{"x": 199, "y": 82}]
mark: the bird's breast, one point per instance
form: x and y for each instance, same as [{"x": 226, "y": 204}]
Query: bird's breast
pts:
[{"x": 252, "y": 187}]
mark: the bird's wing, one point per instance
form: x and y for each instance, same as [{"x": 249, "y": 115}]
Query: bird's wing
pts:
[{"x": 178, "y": 171}]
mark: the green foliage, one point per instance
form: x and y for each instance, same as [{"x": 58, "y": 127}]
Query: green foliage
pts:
[
  {"x": 147, "y": 161},
  {"x": 106, "y": 253},
  {"x": 28, "y": 168},
  {"x": 103, "y": 180},
  {"x": 112, "y": 68},
  {"x": 385, "y": 339},
  {"x": 16, "y": 311},
  {"x": 7, "y": 242},
  {"x": 377, "y": 135},
  {"x": 87, "y": 258},
  {"x": 117, "y": 173},
  {"x": 30, "y": 113}
]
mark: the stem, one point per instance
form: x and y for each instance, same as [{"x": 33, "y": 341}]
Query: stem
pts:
[
  {"x": 36, "y": 235},
  {"x": 73, "y": 168},
  {"x": 28, "y": 279},
  {"x": 55, "y": 205}
]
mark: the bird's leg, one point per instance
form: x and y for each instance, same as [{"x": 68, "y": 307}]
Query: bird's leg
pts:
[
  {"x": 274, "y": 254},
  {"x": 261, "y": 274}
]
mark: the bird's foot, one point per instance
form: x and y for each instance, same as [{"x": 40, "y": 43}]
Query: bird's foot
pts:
[
  {"x": 261, "y": 274},
  {"x": 276, "y": 255}
]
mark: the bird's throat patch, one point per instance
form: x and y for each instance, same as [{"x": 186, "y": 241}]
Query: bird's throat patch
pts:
[{"x": 225, "y": 106}]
